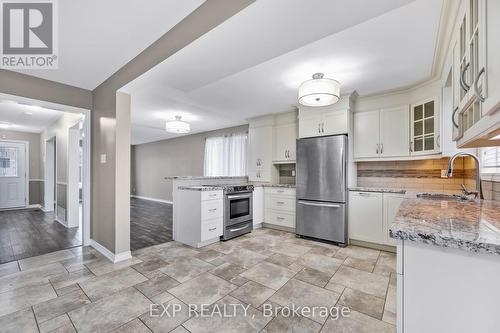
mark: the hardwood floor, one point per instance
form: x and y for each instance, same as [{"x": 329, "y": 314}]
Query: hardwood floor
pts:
[
  {"x": 150, "y": 223},
  {"x": 31, "y": 232}
]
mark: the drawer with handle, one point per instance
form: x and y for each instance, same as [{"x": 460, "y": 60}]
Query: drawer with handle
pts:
[
  {"x": 211, "y": 209},
  {"x": 211, "y": 195},
  {"x": 280, "y": 191},
  {"x": 211, "y": 229},
  {"x": 279, "y": 218},
  {"x": 283, "y": 203}
]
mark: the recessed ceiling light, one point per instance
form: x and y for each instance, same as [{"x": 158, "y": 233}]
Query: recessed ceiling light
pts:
[
  {"x": 5, "y": 125},
  {"x": 28, "y": 113}
]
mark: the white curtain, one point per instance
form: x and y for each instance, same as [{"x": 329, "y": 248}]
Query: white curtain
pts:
[{"x": 226, "y": 155}]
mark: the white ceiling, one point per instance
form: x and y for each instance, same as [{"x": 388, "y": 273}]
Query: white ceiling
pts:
[
  {"x": 96, "y": 37},
  {"x": 253, "y": 63},
  {"x": 27, "y": 115}
]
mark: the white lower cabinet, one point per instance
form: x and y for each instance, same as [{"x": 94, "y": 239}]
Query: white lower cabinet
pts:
[
  {"x": 202, "y": 221},
  {"x": 371, "y": 214},
  {"x": 279, "y": 206},
  {"x": 366, "y": 217},
  {"x": 258, "y": 206}
]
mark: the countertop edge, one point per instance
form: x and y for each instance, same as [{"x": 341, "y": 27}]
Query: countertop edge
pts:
[{"x": 445, "y": 242}]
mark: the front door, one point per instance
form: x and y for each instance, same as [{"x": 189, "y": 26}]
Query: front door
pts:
[{"x": 12, "y": 174}]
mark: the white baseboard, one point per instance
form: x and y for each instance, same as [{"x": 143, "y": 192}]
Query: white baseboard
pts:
[
  {"x": 151, "y": 199},
  {"x": 108, "y": 254},
  {"x": 35, "y": 206},
  {"x": 257, "y": 226}
]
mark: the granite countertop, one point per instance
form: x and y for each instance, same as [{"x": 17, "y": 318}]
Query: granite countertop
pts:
[
  {"x": 204, "y": 177},
  {"x": 469, "y": 225},
  {"x": 201, "y": 187},
  {"x": 274, "y": 185},
  {"x": 378, "y": 189}
]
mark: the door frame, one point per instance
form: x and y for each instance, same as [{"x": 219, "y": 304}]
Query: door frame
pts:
[
  {"x": 50, "y": 208},
  {"x": 26, "y": 170}
]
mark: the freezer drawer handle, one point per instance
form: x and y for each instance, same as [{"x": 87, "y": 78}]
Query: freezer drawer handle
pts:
[{"x": 307, "y": 203}]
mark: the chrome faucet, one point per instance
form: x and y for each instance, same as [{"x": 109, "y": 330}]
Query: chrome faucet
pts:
[{"x": 478, "y": 190}]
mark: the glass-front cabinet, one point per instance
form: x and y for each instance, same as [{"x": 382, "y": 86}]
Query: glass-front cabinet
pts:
[
  {"x": 424, "y": 138},
  {"x": 469, "y": 62}
]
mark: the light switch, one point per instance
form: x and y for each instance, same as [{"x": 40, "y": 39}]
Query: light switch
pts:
[{"x": 103, "y": 158}]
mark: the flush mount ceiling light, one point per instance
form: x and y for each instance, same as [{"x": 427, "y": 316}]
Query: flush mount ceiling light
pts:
[
  {"x": 177, "y": 126},
  {"x": 319, "y": 91}
]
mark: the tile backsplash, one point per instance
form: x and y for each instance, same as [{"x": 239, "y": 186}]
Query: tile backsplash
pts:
[
  {"x": 286, "y": 173},
  {"x": 420, "y": 175}
]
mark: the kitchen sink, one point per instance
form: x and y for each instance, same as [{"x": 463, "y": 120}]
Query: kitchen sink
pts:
[{"x": 443, "y": 196}]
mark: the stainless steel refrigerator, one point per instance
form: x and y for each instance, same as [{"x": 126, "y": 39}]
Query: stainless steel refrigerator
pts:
[{"x": 322, "y": 188}]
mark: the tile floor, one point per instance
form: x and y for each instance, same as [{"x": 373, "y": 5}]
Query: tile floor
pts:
[{"x": 78, "y": 290}]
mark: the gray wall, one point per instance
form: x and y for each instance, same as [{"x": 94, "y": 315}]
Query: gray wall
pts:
[
  {"x": 105, "y": 226},
  {"x": 35, "y": 162},
  {"x": 108, "y": 123},
  {"x": 183, "y": 156}
]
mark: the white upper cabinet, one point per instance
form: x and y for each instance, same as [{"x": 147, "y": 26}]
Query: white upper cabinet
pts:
[
  {"x": 381, "y": 133},
  {"x": 424, "y": 128},
  {"x": 327, "y": 120},
  {"x": 394, "y": 134},
  {"x": 476, "y": 83},
  {"x": 260, "y": 153},
  {"x": 285, "y": 137},
  {"x": 366, "y": 134}
]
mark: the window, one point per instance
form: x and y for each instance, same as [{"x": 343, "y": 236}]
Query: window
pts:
[
  {"x": 8, "y": 162},
  {"x": 490, "y": 160},
  {"x": 226, "y": 155}
]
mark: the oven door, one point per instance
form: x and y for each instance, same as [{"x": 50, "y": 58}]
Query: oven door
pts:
[{"x": 238, "y": 208}]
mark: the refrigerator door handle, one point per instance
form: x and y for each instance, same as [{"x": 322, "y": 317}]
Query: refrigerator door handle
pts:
[{"x": 318, "y": 204}]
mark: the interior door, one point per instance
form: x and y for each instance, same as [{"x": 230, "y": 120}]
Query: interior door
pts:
[
  {"x": 395, "y": 132},
  {"x": 12, "y": 174}
]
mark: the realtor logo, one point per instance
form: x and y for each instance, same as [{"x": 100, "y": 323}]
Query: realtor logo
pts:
[{"x": 29, "y": 39}]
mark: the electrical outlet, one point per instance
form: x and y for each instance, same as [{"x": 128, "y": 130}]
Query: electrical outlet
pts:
[{"x": 444, "y": 173}]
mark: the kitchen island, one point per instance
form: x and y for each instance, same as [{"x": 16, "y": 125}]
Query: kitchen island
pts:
[{"x": 448, "y": 265}]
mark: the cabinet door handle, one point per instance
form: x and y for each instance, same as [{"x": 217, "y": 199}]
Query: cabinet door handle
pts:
[
  {"x": 411, "y": 147},
  {"x": 377, "y": 148},
  {"x": 212, "y": 195},
  {"x": 453, "y": 117},
  {"x": 322, "y": 127},
  {"x": 279, "y": 218},
  {"x": 280, "y": 203},
  {"x": 319, "y": 128},
  {"x": 212, "y": 229},
  {"x": 381, "y": 148},
  {"x": 438, "y": 137},
  {"x": 476, "y": 88},
  {"x": 464, "y": 85},
  {"x": 212, "y": 210}
]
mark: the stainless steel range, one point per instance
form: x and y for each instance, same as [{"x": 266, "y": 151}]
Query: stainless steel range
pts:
[{"x": 238, "y": 206}]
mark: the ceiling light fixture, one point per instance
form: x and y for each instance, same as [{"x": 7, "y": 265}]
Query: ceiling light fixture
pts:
[
  {"x": 319, "y": 91},
  {"x": 28, "y": 113},
  {"x": 177, "y": 126},
  {"x": 5, "y": 125}
]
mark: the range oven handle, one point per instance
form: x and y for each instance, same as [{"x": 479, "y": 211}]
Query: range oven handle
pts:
[
  {"x": 317, "y": 204},
  {"x": 239, "y": 196}
]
